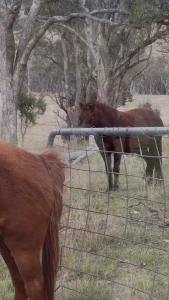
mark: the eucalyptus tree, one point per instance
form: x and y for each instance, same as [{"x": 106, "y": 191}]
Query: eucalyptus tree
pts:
[{"x": 105, "y": 24}]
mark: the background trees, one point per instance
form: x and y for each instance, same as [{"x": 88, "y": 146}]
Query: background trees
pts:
[{"x": 90, "y": 47}]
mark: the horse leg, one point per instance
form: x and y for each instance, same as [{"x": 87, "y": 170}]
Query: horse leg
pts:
[
  {"x": 155, "y": 161},
  {"x": 25, "y": 246},
  {"x": 116, "y": 169},
  {"x": 158, "y": 160},
  {"x": 20, "y": 292},
  {"x": 150, "y": 166},
  {"x": 158, "y": 170},
  {"x": 149, "y": 169},
  {"x": 107, "y": 161},
  {"x": 28, "y": 263}
]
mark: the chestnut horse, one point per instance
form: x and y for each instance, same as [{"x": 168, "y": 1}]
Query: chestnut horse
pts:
[
  {"x": 96, "y": 114},
  {"x": 31, "y": 188}
]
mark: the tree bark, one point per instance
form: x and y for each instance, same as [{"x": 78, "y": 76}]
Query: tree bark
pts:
[
  {"x": 14, "y": 61},
  {"x": 75, "y": 112},
  {"x": 90, "y": 70},
  {"x": 8, "y": 96},
  {"x": 67, "y": 91},
  {"x": 13, "y": 66},
  {"x": 9, "y": 114}
]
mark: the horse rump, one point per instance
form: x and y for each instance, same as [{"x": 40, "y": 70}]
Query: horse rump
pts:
[{"x": 50, "y": 251}]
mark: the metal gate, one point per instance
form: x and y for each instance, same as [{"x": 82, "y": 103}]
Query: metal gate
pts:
[{"x": 114, "y": 245}]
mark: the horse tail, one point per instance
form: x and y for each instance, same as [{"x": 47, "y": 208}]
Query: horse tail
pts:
[{"x": 50, "y": 250}]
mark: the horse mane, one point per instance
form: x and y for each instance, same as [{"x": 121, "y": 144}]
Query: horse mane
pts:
[
  {"x": 104, "y": 107},
  {"x": 101, "y": 105},
  {"x": 98, "y": 104}
]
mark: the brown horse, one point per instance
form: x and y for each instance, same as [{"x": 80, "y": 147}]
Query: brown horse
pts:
[
  {"x": 31, "y": 188},
  {"x": 97, "y": 114}
]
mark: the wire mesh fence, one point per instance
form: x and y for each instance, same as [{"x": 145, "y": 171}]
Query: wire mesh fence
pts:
[{"x": 114, "y": 244}]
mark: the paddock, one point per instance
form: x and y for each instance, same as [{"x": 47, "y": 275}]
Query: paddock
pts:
[{"x": 113, "y": 245}]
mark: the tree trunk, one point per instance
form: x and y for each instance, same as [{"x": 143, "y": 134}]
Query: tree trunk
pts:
[
  {"x": 23, "y": 140},
  {"x": 9, "y": 115},
  {"x": 28, "y": 75},
  {"x": 13, "y": 63},
  {"x": 75, "y": 112},
  {"x": 65, "y": 65},
  {"x": 66, "y": 76},
  {"x": 8, "y": 95}
]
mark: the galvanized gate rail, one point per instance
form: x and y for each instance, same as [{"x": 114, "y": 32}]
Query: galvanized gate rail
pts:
[{"x": 149, "y": 131}]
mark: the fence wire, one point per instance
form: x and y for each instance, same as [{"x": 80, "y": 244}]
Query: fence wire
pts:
[{"x": 114, "y": 244}]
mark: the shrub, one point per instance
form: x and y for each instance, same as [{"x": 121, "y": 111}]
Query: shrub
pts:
[
  {"x": 30, "y": 109},
  {"x": 148, "y": 104}
]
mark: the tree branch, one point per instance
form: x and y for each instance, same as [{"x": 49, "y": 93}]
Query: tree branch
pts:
[
  {"x": 65, "y": 19},
  {"x": 60, "y": 19},
  {"x": 16, "y": 5},
  {"x": 104, "y": 21},
  {"x": 9, "y": 14},
  {"x": 162, "y": 51},
  {"x": 59, "y": 116},
  {"x": 74, "y": 32},
  {"x": 109, "y": 10},
  {"x": 49, "y": 57},
  {"x": 145, "y": 43},
  {"x": 137, "y": 63},
  {"x": 28, "y": 28},
  {"x": 138, "y": 73}
]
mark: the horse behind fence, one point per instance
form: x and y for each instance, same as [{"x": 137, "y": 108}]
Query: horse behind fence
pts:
[
  {"x": 31, "y": 188},
  {"x": 96, "y": 114}
]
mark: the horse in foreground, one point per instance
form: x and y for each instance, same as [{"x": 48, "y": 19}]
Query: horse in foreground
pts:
[
  {"x": 98, "y": 114},
  {"x": 31, "y": 188}
]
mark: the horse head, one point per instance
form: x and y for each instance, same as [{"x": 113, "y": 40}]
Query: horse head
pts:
[{"x": 88, "y": 115}]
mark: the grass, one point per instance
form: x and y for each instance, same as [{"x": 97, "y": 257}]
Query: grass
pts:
[
  {"x": 6, "y": 288},
  {"x": 112, "y": 246},
  {"x": 112, "y": 249}
]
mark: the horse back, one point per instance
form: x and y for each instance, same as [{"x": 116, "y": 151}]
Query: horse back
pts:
[
  {"x": 139, "y": 117},
  {"x": 26, "y": 189},
  {"x": 144, "y": 117}
]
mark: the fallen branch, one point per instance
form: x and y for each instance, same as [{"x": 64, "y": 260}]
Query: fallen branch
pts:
[
  {"x": 159, "y": 212},
  {"x": 80, "y": 155}
]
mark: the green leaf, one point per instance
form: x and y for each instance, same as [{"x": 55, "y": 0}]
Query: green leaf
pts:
[{"x": 30, "y": 109}]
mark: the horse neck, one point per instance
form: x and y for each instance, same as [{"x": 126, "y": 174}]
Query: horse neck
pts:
[{"x": 107, "y": 116}]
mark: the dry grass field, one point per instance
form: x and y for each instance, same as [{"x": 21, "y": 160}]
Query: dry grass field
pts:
[
  {"x": 121, "y": 249},
  {"x": 36, "y": 137},
  {"x": 159, "y": 101},
  {"x": 114, "y": 246}
]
